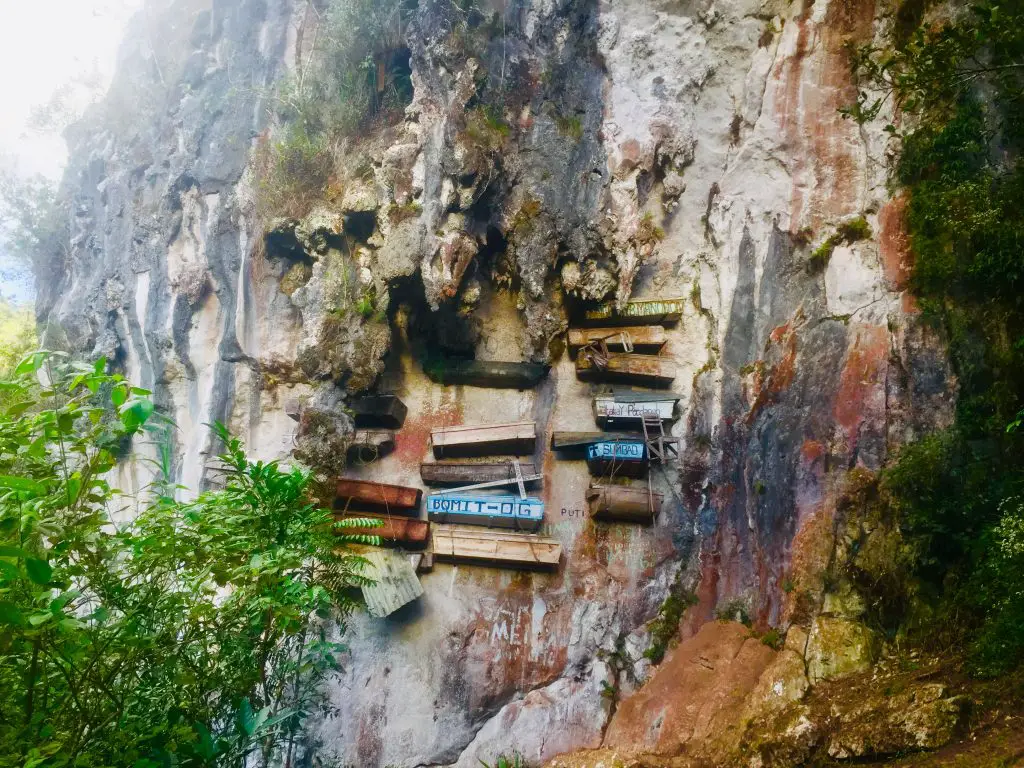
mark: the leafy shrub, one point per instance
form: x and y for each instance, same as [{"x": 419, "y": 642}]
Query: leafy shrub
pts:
[
  {"x": 961, "y": 167},
  {"x": 194, "y": 633}
]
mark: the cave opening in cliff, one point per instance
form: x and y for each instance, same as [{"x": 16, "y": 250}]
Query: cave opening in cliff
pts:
[
  {"x": 359, "y": 225},
  {"x": 392, "y": 88}
]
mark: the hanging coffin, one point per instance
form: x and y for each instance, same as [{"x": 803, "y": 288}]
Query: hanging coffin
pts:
[
  {"x": 451, "y": 473},
  {"x": 485, "y": 373},
  {"x": 495, "y": 511},
  {"x": 650, "y": 312},
  {"x": 617, "y": 458},
  {"x": 620, "y": 502},
  {"x": 640, "y": 338},
  {"x": 578, "y": 441},
  {"x": 394, "y": 582},
  {"x": 647, "y": 370},
  {"x": 378, "y": 411},
  {"x": 517, "y": 437},
  {"x": 369, "y": 494},
  {"x": 628, "y": 409},
  {"x": 406, "y": 531},
  {"x": 457, "y": 543}
]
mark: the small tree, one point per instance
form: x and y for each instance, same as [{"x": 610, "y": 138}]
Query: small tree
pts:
[{"x": 197, "y": 633}]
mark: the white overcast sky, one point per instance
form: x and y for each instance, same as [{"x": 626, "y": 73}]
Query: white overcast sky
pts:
[{"x": 44, "y": 44}]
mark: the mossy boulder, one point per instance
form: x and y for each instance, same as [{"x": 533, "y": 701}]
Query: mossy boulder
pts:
[{"x": 839, "y": 646}]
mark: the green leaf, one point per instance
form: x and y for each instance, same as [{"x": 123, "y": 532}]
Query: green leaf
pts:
[
  {"x": 19, "y": 408},
  {"x": 38, "y": 619},
  {"x": 30, "y": 364},
  {"x": 9, "y": 570},
  {"x": 135, "y": 413},
  {"x": 23, "y": 484},
  {"x": 38, "y": 570},
  {"x": 6, "y": 550},
  {"x": 9, "y": 614},
  {"x": 119, "y": 394}
]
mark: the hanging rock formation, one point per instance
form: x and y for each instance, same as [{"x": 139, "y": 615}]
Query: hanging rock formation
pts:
[{"x": 640, "y": 149}]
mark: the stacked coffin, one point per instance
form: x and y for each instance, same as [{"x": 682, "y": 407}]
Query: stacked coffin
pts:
[
  {"x": 623, "y": 345},
  {"x": 468, "y": 515}
]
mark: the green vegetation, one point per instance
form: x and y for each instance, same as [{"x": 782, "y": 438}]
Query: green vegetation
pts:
[
  {"x": 847, "y": 232},
  {"x": 193, "y": 633},
  {"x": 666, "y": 624},
  {"x": 734, "y": 610},
  {"x": 515, "y": 760},
  {"x": 954, "y": 494},
  {"x": 354, "y": 75},
  {"x": 17, "y": 335},
  {"x": 647, "y": 232},
  {"x": 571, "y": 126}
]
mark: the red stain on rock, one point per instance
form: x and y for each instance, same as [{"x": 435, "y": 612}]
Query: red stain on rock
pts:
[
  {"x": 810, "y": 90},
  {"x": 894, "y": 243},
  {"x": 861, "y": 393},
  {"x": 779, "y": 376},
  {"x": 811, "y": 451},
  {"x": 696, "y": 693},
  {"x": 412, "y": 439}
]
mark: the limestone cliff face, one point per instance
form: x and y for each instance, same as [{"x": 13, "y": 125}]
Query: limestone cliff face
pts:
[{"x": 715, "y": 123}]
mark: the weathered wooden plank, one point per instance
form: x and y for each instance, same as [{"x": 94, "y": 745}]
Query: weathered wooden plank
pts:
[
  {"x": 617, "y": 458},
  {"x": 648, "y": 370},
  {"x": 406, "y": 531},
  {"x": 395, "y": 582},
  {"x": 461, "y": 473},
  {"x": 486, "y": 373},
  {"x": 643, "y": 338},
  {"x": 570, "y": 441},
  {"x": 489, "y": 547},
  {"x": 619, "y": 502},
  {"x": 368, "y": 445},
  {"x": 369, "y": 494},
  {"x": 646, "y": 312},
  {"x": 478, "y": 509},
  {"x": 378, "y": 411},
  {"x": 518, "y": 437},
  {"x": 618, "y": 410}
]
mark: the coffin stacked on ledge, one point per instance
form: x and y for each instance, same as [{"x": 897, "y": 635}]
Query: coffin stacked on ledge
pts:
[
  {"x": 617, "y": 458},
  {"x": 617, "y": 502},
  {"x": 627, "y": 409},
  {"x": 466, "y": 504},
  {"x": 485, "y": 373},
  {"x": 640, "y": 312},
  {"x": 396, "y": 506},
  {"x": 376, "y": 418},
  {"x": 515, "y": 438}
]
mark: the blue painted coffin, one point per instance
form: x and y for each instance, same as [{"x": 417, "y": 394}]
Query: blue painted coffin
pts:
[
  {"x": 500, "y": 511},
  {"x": 620, "y": 458}
]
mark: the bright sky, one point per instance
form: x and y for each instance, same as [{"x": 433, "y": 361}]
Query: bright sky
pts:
[{"x": 43, "y": 45}]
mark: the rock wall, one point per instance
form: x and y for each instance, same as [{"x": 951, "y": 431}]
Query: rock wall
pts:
[{"x": 651, "y": 149}]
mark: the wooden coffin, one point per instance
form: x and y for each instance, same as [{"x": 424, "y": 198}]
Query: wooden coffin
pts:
[
  {"x": 407, "y": 531},
  {"x": 630, "y": 408},
  {"x": 369, "y": 494},
  {"x": 368, "y": 445},
  {"x": 493, "y": 511},
  {"x": 621, "y": 502},
  {"x": 395, "y": 582},
  {"x": 456, "y": 543},
  {"x": 643, "y": 338},
  {"x": 451, "y": 473},
  {"x": 485, "y": 373},
  {"x": 648, "y": 370},
  {"x": 617, "y": 458},
  {"x": 378, "y": 411},
  {"x": 518, "y": 437},
  {"x": 650, "y": 312},
  {"x": 578, "y": 441}
]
